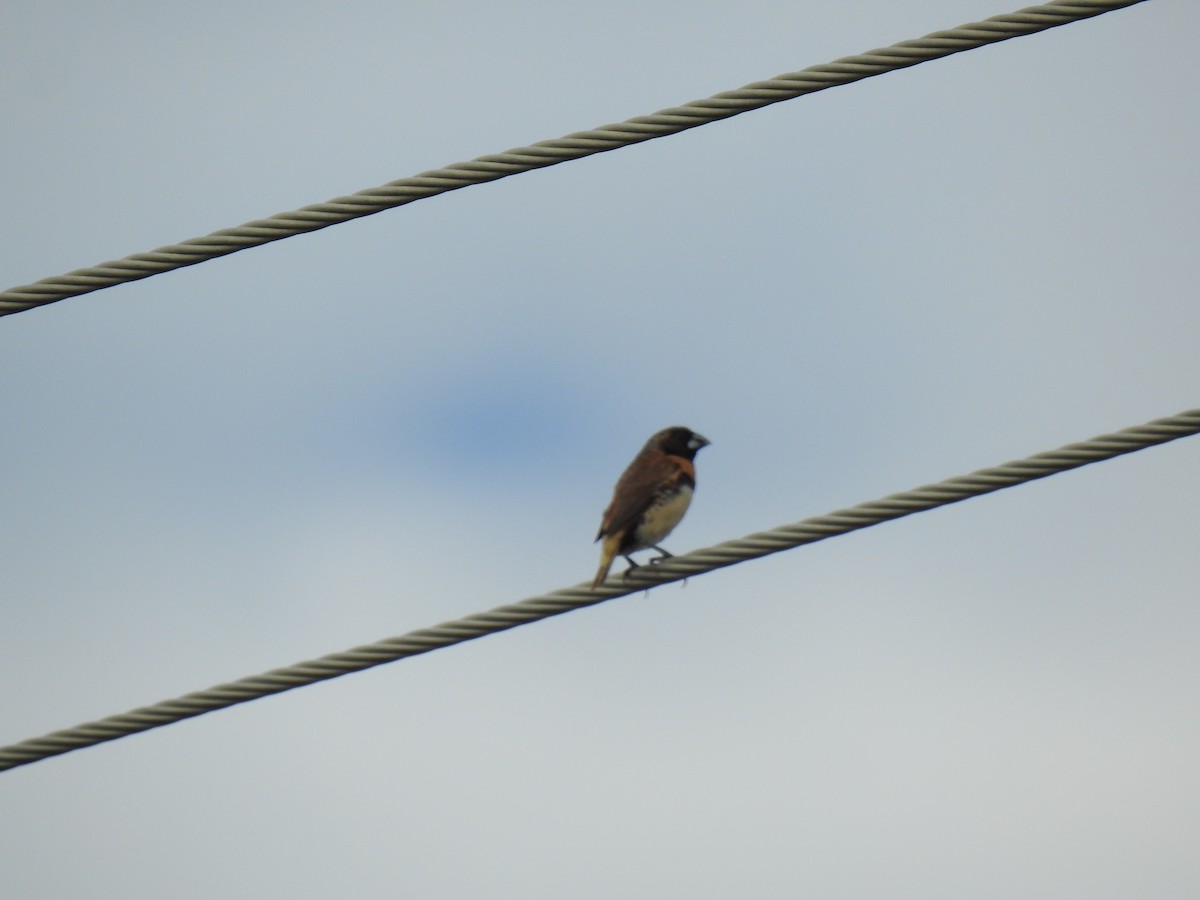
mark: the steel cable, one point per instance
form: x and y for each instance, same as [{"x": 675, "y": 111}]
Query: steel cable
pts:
[
  {"x": 551, "y": 152},
  {"x": 677, "y": 568}
]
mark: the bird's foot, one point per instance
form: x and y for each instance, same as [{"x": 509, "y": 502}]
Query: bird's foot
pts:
[{"x": 665, "y": 555}]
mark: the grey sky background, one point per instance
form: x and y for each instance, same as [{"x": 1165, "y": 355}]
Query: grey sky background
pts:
[{"x": 390, "y": 423}]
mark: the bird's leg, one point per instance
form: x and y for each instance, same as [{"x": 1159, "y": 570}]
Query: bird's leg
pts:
[
  {"x": 632, "y": 565},
  {"x": 665, "y": 555}
]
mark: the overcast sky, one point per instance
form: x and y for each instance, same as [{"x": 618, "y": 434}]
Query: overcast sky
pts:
[{"x": 348, "y": 435}]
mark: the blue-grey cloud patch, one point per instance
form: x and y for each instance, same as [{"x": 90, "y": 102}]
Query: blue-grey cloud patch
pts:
[{"x": 497, "y": 422}]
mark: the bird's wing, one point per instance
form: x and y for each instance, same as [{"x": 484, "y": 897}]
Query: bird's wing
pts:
[{"x": 637, "y": 488}]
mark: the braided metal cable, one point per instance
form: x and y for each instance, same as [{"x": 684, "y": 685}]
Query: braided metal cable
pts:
[
  {"x": 551, "y": 152},
  {"x": 677, "y": 568}
]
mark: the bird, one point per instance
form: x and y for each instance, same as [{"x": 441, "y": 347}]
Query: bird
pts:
[{"x": 650, "y": 498}]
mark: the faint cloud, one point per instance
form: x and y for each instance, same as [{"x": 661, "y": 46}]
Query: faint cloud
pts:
[{"x": 497, "y": 420}]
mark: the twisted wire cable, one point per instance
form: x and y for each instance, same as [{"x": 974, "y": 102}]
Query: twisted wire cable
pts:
[
  {"x": 754, "y": 546},
  {"x": 551, "y": 152}
]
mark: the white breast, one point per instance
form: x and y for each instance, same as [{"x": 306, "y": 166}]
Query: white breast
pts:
[{"x": 662, "y": 518}]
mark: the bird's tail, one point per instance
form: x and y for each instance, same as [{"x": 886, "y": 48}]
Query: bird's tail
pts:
[{"x": 608, "y": 551}]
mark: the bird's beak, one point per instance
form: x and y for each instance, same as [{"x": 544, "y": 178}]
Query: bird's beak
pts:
[{"x": 698, "y": 441}]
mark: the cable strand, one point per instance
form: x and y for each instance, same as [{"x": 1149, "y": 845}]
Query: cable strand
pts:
[
  {"x": 552, "y": 152},
  {"x": 754, "y": 546}
]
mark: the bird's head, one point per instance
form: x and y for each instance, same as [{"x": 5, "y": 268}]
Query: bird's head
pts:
[{"x": 679, "y": 441}]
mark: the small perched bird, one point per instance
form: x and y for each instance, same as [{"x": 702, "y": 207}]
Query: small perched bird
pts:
[{"x": 650, "y": 497}]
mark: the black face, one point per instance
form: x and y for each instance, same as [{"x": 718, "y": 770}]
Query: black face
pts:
[{"x": 680, "y": 441}]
